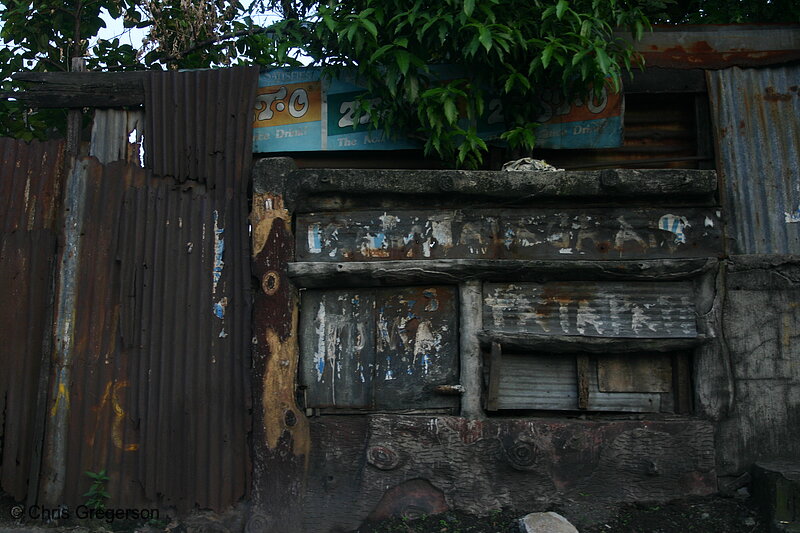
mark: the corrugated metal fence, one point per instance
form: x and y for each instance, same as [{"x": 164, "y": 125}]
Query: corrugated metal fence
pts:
[
  {"x": 159, "y": 392},
  {"x": 755, "y": 114}
]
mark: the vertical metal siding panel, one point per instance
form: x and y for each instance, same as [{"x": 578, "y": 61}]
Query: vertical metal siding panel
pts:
[
  {"x": 758, "y": 136},
  {"x": 30, "y": 174},
  {"x": 147, "y": 329}
]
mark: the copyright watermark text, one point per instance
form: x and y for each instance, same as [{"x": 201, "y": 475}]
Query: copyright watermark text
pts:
[{"x": 81, "y": 512}]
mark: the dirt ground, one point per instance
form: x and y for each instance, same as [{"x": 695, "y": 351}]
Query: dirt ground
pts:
[{"x": 713, "y": 514}]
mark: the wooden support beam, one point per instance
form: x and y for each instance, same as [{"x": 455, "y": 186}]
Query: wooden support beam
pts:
[
  {"x": 598, "y": 345},
  {"x": 343, "y": 189},
  {"x": 470, "y": 321},
  {"x": 410, "y": 272},
  {"x": 582, "y": 364},
  {"x": 495, "y": 363},
  {"x": 80, "y": 89}
]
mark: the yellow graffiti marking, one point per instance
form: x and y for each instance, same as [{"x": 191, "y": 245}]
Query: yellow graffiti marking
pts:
[
  {"x": 63, "y": 395},
  {"x": 112, "y": 395}
]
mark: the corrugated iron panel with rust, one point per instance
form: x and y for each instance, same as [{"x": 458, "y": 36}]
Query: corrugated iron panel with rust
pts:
[
  {"x": 193, "y": 123},
  {"x": 30, "y": 177},
  {"x": 565, "y": 234},
  {"x": 755, "y": 115},
  {"x": 719, "y": 46},
  {"x": 604, "y": 309},
  {"x": 379, "y": 348},
  {"x": 160, "y": 393}
]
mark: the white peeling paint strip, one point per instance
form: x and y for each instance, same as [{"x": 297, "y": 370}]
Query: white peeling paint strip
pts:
[
  {"x": 674, "y": 224},
  {"x": 587, "y": 316},
  {"x": 314, "y": 240},
  {"x": 565, "y": 251},
  {"x": 793, "y": 218},
  {"x": 319, "y": 354},
  {"x": 709, "y": 223},
  {"x": 219, "y": 250},
  {"x": 388, "y": 222},
  {"x": 442, "y": 230}
]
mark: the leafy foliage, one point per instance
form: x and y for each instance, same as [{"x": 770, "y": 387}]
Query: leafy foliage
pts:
[
  {"x": 97, "y": 495},
  {"x": 516, "y": 46}
]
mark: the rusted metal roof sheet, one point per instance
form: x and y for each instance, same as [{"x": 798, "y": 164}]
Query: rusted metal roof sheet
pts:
[
  {"x": 719, "y": 46},
  {"x": 193, "y": 121},
  {"x": 160, "y": 393},
  {"x": 755, "y": 114},
  {"x": 30, "y": 176}
]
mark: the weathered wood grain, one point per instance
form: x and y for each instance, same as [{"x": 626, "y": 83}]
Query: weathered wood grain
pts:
[
  {"x": 379, "y": 348},
  {"x": 357, "y": 188},
  {"x": 577, "y": 343},
  {"x": 509, "y": 234},
  {"x": 582, "y": 366},
  {"x": 281, "y": 440},
  {"x": 404, "y": 272},
  {"x": 634, "y": 374},
  {"x": 496, "y": 371},
  {"x": 594, "y": 309},
  {"x": 81, "y": 89},
  {"x": 520, "y": 464}
]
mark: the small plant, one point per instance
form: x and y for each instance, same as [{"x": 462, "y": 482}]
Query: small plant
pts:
[{"x": 97, "y": 495}]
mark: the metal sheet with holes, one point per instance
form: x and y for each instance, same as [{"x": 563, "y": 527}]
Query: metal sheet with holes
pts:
[
  {"x": 379, "y": 348},
  {"x": 596, "y": 309}
]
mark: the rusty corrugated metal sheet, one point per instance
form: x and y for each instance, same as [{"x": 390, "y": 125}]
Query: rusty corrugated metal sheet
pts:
[
  {"x": 719, "y": 46},
  {"x": 30, "y": 177},
  {"x": 193, "y": 129},
  {"x": 161, "y": 390},
  {"x": 755, "y": 114}
]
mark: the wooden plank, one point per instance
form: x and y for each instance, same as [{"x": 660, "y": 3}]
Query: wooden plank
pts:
[
  {"x": 595, "y": 309},
  {"x": 338, "y": 357},
  {"x": 632, "y": 373},
  {"x": 682, "y": 383},
  {"x": 582, "y": 367},
  {"x": 569, "y": 344},
  {"x": 81, "y": 89},
  {"x": 397, "y": 273},
  {"x": 379, "y": 348},
  {"x": 557, "y": 234},
  {"x": 416, "y": 347},
  {"x": 347, "y": 189},
  {"x": 542, "y": 382},
  {"x": 495, "y": 371}
]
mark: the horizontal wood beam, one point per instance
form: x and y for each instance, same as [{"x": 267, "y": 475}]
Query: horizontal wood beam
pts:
[
  {"x": 598, "y": 345},
  {"x": 398, "y": 273},
  {"x": 80, "y": 89},
  {"x": 343, "y": 189}
]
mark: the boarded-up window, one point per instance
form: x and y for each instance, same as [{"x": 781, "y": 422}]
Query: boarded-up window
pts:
[
  {"x": 385, "y": 349},
  {"x": 598, "y": 346}
]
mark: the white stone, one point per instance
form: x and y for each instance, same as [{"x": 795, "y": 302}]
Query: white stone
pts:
[{"x": 548, "y": 522}]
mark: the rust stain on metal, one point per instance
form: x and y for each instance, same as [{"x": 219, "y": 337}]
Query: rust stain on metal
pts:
[
  {"x": 31, "y": 177},
  {"x": 720, "y": 46}
]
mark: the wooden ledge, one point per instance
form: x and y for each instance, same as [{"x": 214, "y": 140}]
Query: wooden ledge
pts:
[
  {"x": 411, "y": 272},
  {"x": 598, "y": 345}
]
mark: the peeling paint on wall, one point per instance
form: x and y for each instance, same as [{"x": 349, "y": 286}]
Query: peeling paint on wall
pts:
[
  {"x": 595, "y": 309},
  {"x": 219, "y": 250},
  {"x": 677, "y": 224},
  {"x": 514, "y": 234}
]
